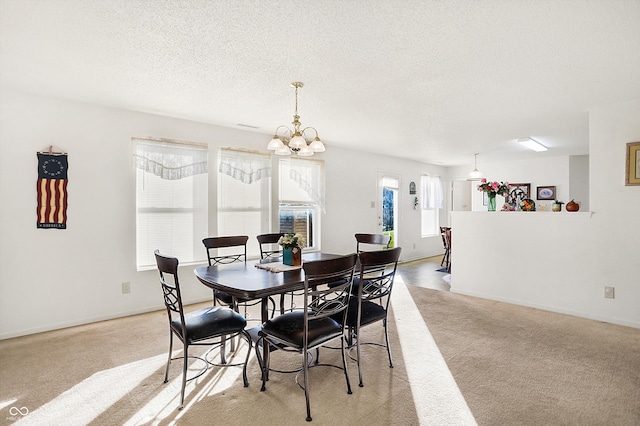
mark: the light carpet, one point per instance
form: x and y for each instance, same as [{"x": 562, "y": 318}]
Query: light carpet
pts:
[{"x": 501, "y": 364}]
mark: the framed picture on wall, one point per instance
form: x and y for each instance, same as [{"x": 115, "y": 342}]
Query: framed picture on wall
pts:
[
  {"x": 545, "y": 193},
  {"x": 632, "y": 175},
  {"x": 518, "y": 192}
]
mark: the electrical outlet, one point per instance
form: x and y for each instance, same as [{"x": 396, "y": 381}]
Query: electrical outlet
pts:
[
  {"x": 609, "y": 292},
  {"x": 126, "y": 288}
]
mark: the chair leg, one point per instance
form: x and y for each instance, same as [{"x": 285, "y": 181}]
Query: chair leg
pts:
[
  {"x": 344, "y": 364},
  {"x": 184, "y": 374},
  {"x": 259, "y": 356},
  {"x": 360, "y": 383},
  {"x": 247, "y": 336},
  {"x": 264, "y": 363},
  {"x": 223, "y": 349},
  {"x": 386, "y": 336},
  {"x": 166, "y": 373},
  {"x": 305, "y": 368},
  {"x": 273, "y": 306}
]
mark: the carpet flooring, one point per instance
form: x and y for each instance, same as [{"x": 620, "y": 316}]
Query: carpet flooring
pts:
[
  {"x": 458, "y": 360},
  {"x": 518, "y": 365}
]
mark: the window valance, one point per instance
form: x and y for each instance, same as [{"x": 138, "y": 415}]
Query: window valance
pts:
[
  {"x": 169, "y": 159},
  {"x": 245, "y": 166}
]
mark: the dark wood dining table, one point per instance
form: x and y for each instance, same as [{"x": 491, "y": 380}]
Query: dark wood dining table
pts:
[{"x": 243, "y": 280}]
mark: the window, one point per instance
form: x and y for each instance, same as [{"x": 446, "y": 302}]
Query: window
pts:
[
  {"x": 431, "y": 203},
  {"x": 244, "y": 195},
  {"x": 171, "y": 200},
  {"x": 301, "y": 189}
]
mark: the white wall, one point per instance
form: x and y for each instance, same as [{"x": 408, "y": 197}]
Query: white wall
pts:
[
  {"x": 56, "y": 278},
  {"x": 562, "y": 261},
  {"x": 579, "y": 181}
]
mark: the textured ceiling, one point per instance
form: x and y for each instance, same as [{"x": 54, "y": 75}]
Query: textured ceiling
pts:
[{"x": 433, "y": 81}]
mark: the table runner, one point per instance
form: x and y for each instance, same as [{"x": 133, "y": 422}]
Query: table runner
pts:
[{"x": 277, "y": 267}]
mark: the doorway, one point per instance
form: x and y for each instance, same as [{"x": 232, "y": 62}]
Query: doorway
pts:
[
  {"x": 460, "y": 195},
  {"x": 388, "y": 202}
]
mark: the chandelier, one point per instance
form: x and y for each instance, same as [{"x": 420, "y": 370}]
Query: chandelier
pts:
[{"x": 296, "y": 140}]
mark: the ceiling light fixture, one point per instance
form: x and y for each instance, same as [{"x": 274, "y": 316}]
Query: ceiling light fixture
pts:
[
  {"x": 475, "y": 173},
  {"x": 296, "y": 140},
  {"x": 532, "y": 144}
]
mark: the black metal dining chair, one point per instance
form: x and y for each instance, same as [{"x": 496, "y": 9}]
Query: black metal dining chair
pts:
[
  {"x": 446, "y": 243},
  {"x": 267, "y": 242},
  {"x": 447, "y": 236},
  {"x": 321, "y": 319},
  {"x": 366, "y": 241},
  {"x": 376, "y": 275},
  {"x": 225, "y": 250},
  {"x": 207, "y": 326}
]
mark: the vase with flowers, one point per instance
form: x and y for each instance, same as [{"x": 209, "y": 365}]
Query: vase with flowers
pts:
[
  {"x": 292, "y": 249},
  {"x": 492, "y": 189}
]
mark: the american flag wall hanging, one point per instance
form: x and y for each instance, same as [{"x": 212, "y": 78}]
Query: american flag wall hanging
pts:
[{"x": 52, "y": 189}]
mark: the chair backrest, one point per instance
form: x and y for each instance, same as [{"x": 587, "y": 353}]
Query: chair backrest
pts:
[
  {"x": 168, "y": 269},
  {"x": 443, "y": 234},
  {"x": 447, "y": 238},
  {"x": 321, "y": 300},
  {"x": 372, "y": 239},
  {"x": 238, "y": 242},
  {"x": 266, "y": 243},
  {"x": 377, "y": 273}
]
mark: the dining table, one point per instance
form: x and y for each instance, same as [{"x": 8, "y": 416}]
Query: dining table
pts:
[{"x": 244, "y": 280}]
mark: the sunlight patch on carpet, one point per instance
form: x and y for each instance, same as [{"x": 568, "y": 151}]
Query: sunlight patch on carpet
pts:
[
  {"x": 164, "y": 406},
  {"x": 88, "y": 399},
  {"x": 436, "y": 395}
]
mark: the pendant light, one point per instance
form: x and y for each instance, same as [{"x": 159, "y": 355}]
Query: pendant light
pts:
[{"x": 475, "y": 174}]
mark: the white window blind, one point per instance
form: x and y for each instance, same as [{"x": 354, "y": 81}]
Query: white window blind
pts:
[
  {"x": 244, "y": 197},
  {"x": 171, "y": 200}
]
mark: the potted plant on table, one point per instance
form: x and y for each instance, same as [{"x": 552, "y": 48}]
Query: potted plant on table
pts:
[
  {"x": 292, "y": 249},
  {"x": 557, "y": 206},
  {"x": 492, "y": 189}
]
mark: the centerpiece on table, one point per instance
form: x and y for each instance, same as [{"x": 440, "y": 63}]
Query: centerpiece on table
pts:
[
  {"x": 492, "y": 189},
  {"x": 292, "y": 249}
]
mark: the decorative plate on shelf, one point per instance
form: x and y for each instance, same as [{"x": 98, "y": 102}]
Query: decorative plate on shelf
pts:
[{"x": 528, "y": 205}]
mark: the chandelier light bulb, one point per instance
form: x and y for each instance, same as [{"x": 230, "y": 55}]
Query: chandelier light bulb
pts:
[
  {"x": 297, "y": 142},
  {"x": 283, "y": 150},
  {"x": 275, "y": 143},
  {"x": 305, "y": 151},
  {"x": 317, "y": 145}
]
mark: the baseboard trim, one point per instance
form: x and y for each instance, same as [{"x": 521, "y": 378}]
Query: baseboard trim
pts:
[
  {"x": 91, "y": 320},
  {"x": 578, "y": 314}
]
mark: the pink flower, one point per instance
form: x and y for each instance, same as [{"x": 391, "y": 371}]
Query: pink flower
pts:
[
  {"x": 483, "y": 180},
  {"x": 495, "y": 186}
]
